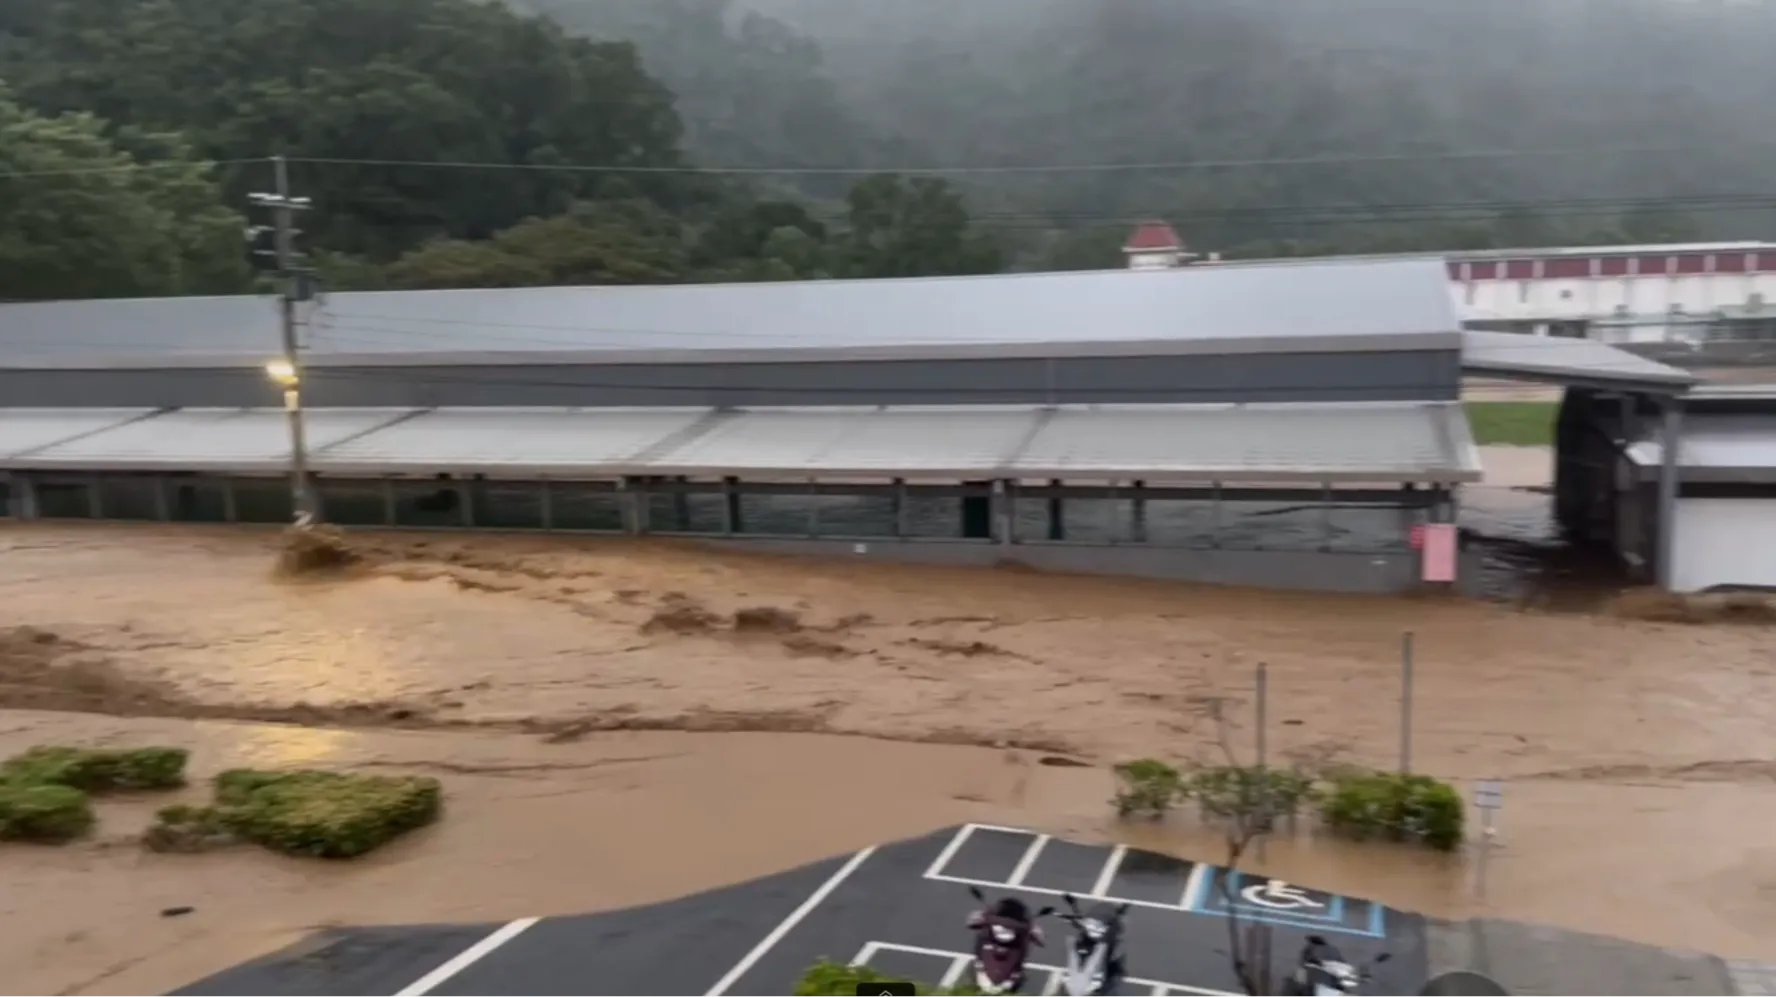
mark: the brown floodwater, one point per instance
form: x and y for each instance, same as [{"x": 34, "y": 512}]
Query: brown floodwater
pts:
[{"x": 633, "y": 701}]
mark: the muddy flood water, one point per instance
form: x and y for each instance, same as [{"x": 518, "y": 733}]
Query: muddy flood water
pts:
[{"x": 617, "y": 722}]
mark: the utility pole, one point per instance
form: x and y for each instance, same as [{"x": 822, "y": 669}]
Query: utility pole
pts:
[{"x": 287, "y": 370}]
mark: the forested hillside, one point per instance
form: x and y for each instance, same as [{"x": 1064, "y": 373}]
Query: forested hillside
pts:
[
  {"x": 545, "y": 158},
  {"x": 457, "y": 142}
]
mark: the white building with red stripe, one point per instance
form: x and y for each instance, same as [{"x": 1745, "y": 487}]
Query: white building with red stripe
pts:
[
  {"x": 1633, "y": 294},
  {"x": 1684, "y": 293}
]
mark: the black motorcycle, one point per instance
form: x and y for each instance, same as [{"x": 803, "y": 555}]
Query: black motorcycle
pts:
[{"x": 1323, "y": 970}]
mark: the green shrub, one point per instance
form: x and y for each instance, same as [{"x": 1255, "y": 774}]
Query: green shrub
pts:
[
  {"x": 324, "y": 814},
  {"x": 99, "y": 770},
  {"x": 828, "y": 977},
  {"x": 1238, "y": 791},
  {"x": 1393, "y": 807},
  {"x": 43, "y": 812},
  {"x": 1146, "y": 787}
]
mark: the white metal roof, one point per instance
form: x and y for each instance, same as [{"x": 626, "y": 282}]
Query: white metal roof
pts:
[
  {"x": 219, "y": 440},
  {"x": 1728, "y": 392},
  {"x": 1231, "y": 303},
  {"x": 1352, "y": 442},
  {"x": 1241, "y": 442},
  {"x": 23, "y": 430},
  {"x": 1567, "y": 361},
  {"x": 873, "y": 442},
  {"x": 490, "y": 440},
  {"x": 1718, "y": 448}
]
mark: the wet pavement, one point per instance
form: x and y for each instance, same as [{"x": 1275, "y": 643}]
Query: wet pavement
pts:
[{"x": 896, "y": 907}]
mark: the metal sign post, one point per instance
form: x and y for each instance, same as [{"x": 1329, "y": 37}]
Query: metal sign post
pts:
[
  {"x": 1406, "y": 702},
  {"x": 1489, "y": 798}
]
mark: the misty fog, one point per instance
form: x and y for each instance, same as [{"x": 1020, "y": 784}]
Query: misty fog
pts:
[{"x": 1628, "y": 102}]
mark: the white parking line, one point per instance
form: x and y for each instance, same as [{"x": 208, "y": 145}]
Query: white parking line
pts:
[
  {"x": 959, "y": 962},
  {"x": 1024, "y": 864},
  {"x": 949, "y": 851},
  {"x": 788, "y": 924},
  {"x": 467, "y": 957},
  {"x": 1045, "y": 891},
  {"x": 1192, "y": 883},
  {"x": 1001, "y": 829},
  {"x": 1102, "y": 885}
]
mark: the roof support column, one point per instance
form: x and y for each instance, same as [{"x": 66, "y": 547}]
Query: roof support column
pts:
[
  {"x": 23, "y": 497},
  {"x": 1004, "y": 505},
  {"x": 1672, "y": 436}
]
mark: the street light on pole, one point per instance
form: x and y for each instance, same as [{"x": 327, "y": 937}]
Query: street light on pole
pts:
[{"x": 286, "y": 371}]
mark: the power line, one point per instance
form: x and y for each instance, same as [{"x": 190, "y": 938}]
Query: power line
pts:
[
  {"x": 130, "y": 168},
  {"x": 1300, "y": 214},
  {"x": 1161, "y": 166},
  {"x": 1436, "y": 209},
  {"x": 1338, "y": 159}
]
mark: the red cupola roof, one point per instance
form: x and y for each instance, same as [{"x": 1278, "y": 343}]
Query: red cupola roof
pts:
[{"x": 1154, "y": 237}]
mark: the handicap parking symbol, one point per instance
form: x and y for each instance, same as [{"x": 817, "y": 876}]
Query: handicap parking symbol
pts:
[
  {"x": 1276, "y": 894},
  {"x": 1280, "y": 902}
]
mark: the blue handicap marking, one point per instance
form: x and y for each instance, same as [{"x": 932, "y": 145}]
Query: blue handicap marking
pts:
[{"x": 1276, "y": 901}]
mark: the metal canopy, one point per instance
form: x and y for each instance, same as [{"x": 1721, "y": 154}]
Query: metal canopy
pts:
[
  {"x": 1568, "y": 361},
  {"x": 214, "y": 440},
  {"x": 1383, "y": 442},
  {"x": 1715, "y": 449}
]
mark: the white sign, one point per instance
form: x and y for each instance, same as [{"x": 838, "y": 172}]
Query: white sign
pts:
[
  {"x": 1489, "y": 794},
  {"x": 1278, "y": 895}
]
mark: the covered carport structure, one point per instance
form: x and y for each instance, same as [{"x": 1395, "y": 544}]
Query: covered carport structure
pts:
[
  {"x": 1318, "y": 495},
  {"x": 1726, "y": 501},
  {"x": 1613, "y": 399}
]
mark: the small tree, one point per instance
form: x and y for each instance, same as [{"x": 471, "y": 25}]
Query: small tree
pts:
[
  {"x": 1236, "y": 797},
  {"x": 1247, "y": 802}
]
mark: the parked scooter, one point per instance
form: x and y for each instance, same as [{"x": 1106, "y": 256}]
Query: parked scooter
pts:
[
  {"x": 1094, "y": 959},
  {"x": 1323, "y": 970},
  {"x": 1003, "y": 935}
]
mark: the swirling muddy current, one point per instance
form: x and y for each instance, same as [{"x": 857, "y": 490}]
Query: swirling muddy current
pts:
[{"x": 1641, "y": 757}]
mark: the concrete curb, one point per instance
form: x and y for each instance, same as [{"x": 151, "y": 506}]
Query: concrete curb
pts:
[
  {"x": 1532, "y": 959},
  {"x": 1754, "y": 979}
]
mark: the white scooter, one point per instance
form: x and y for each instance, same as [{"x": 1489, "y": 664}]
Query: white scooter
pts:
[{"x": 1094, "y": 959}]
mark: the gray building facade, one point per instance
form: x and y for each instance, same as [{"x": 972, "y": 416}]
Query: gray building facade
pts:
[{"x": 1279, "y": 424}]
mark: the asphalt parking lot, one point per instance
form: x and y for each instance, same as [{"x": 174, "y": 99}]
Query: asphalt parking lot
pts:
[{"x": 898, "y": 907}]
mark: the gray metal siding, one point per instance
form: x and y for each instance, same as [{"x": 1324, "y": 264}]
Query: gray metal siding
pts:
[{"x": 1428, "y": 375}]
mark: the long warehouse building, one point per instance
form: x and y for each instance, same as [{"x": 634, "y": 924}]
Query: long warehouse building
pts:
[{"x": 1280, "y": 424}]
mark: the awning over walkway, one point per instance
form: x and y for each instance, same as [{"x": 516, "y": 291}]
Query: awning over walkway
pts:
[
  {"x": 1165, "y": 444},
  {"x": 1726, "y": 449},
  {"x": 1568, "y": 361}
]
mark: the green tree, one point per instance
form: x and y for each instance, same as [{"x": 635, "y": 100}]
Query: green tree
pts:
[
  {"x": 899, "y": 227},
  {"x": 84, "y": 216},
  {"x": 446, "y": 81},
  {"x": 763, "y": 240},
  {"x": 629, "y": 242}
]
